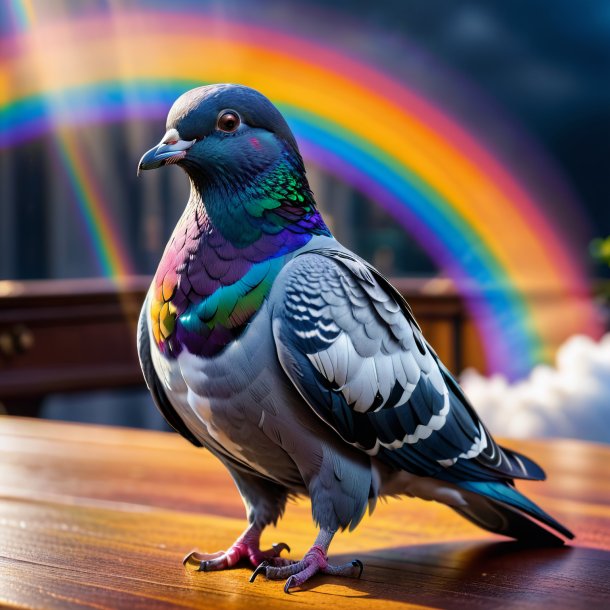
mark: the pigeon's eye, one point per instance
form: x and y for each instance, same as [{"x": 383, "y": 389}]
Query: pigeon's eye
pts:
[{"x": 228, "y": 121}]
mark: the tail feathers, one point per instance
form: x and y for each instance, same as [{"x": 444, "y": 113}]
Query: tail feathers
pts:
[
  {"x": 501, "y": 509},
  {"x": 523, "y": 467}
]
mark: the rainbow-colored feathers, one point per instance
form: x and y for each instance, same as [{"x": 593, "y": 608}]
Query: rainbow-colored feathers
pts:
[{"x": 250, "y": 207}]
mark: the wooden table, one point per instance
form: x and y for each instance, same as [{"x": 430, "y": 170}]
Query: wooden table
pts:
[{"x": 101, "y": 517}]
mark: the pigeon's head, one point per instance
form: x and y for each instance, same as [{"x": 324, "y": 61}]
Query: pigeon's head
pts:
[{"x": 223, "y": 134}]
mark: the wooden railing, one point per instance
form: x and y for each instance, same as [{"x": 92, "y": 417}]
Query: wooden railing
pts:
[
  {"x": 58, "y": 336},
  {"x": 70, "y": 335}
]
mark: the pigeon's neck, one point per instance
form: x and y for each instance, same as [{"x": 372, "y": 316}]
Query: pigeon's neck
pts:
[
  {"x": 248, "y": 209},
  {"x": 222, "y": 260}
]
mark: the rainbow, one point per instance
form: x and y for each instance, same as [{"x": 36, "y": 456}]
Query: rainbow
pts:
[
  {"x": 482, "y": 228},
  {"x": 113, "y": 259},
  {"x": 109, "y": 252}
]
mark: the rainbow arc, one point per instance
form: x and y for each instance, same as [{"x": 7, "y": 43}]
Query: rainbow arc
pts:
[{"x": 481, "y": 226}]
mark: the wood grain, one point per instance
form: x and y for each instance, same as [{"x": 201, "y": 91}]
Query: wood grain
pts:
[{"x": 95, "y": 517}]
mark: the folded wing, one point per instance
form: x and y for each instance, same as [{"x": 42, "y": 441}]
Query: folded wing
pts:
[{"x": 350, "y": 344}]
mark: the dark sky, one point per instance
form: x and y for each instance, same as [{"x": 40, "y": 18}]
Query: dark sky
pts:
[{"x": 544, "y": 63}]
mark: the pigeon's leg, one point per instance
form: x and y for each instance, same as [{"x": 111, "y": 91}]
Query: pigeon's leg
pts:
[
  {"x": 315, "y": 560},
  {"x": 264, "y": 502},
  {"x": 247, "y": 547}
]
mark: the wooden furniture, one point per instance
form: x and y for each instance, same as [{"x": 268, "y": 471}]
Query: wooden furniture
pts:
[
  {"x": 101, "y": 517},
  {"x": 69, "y": 335}
]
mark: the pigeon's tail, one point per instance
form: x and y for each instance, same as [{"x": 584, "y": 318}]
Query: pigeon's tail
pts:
[{"x": 500, "y": 508}]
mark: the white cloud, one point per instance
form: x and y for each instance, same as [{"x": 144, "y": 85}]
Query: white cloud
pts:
[{"x": 571, "y": 399}]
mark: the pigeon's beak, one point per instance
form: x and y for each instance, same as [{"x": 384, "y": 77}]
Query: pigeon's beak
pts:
[{"x": 170, "y": 150}]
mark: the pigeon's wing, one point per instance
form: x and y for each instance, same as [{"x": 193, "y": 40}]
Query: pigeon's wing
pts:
[
  {"x": 154, "y": 383},
  {"x": 350, "y": 344}
]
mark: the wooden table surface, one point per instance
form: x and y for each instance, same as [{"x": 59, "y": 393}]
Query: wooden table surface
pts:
[{"x": 96, "y": 517}]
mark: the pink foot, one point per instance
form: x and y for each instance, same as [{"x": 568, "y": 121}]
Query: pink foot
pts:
[
  {"x": 221, "y": 560},
  {"x": 315, "y": 560}
]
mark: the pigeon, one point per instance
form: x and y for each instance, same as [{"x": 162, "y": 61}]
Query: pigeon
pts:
[{"x": 295, "y": 362}]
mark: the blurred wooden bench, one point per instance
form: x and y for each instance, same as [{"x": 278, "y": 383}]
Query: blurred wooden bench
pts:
[{"x": 70, "y": 335}]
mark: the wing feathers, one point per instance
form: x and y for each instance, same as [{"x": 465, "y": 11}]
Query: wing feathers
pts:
[{"x": 350, "y": 344}]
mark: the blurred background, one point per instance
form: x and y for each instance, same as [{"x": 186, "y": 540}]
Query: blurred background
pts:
[{"x": 460, "y": 147}]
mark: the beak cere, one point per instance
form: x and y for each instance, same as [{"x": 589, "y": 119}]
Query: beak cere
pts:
[{"x": 170, "y": 150}]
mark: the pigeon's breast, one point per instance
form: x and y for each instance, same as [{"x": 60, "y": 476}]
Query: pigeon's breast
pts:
[
  {"x": 203, "y": 302},
  {"x": 240, "y": 403},
  {"x": 209, "y": 324}
]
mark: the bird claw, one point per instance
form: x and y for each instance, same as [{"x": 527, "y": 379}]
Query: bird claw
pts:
[
  {"x": 300, "y": 572},
  {"x": 289, "y": 583},
  {"x": 221, "y": 560},
  {"x": 278, "y": 547},
  {"x": 259, "y": 568},
  {"x": 198, "y": 562},
  {"x": 358, "y": 564}
]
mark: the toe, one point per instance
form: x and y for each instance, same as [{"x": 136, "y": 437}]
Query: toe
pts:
[
  {"x": 276, "y": 572},
  {"x": 271, "y": 555},
  {"x": 353, "y": 569},
  {"x": 281, "y": 572},
  {"x": 193, "y": 560}
]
